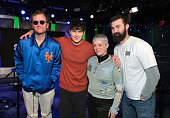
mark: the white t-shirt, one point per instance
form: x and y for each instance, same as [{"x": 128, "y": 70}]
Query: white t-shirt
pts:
[{"x": 135, "y": 55}]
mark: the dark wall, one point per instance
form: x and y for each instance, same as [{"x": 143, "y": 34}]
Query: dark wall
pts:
[{"x": 8, "y": 38}]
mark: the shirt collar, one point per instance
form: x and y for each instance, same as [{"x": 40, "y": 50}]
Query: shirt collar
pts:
[{"x": 43, "y": 45}]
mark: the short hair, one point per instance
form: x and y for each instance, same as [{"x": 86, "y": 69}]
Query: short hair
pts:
[
  {"x": 77, "y": 24},
  {"x": 116, "y": 17},
  {"x": 101, "y": 37},
  {"x": 38, "y": 12}
]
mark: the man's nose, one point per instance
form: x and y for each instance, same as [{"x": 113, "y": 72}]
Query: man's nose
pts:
[
  {"x": 116, "y": 30},
  {"x": 76, "y": 33}
]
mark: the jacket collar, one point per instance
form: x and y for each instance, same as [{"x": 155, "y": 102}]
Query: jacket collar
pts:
[{"x": 44, "y": 44}]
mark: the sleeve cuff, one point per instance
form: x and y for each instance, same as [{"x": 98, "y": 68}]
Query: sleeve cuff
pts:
[
  {"x": 114, "y": 110},
  {"x": 146, "y": 97}
]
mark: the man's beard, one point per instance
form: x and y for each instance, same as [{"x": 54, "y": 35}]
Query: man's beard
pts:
[{"x": 118, "y": 37}]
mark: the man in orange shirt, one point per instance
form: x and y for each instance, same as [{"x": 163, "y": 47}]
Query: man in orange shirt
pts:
[
  {"x": 73, "y": 79},
  {"x": 75, "y": 53}
]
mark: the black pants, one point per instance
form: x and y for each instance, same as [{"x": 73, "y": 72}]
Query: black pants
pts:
[
  {"x": 98, "y": 108},
  {"x": 72, "y": 102}
]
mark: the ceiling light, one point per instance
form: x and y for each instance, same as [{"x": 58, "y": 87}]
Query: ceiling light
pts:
[
  {"x": 22, "y": 12},
  {"x": 81, "y": 19},
  {"x": 91, "y": 16},
  {"x": 27, "y": 18},
  {"x": 52, "y": 15},
  {"x": 68, "y": 22},
  {"x": 133, "y": 10}
]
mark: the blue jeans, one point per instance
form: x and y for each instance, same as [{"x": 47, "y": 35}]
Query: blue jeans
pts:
[{"x": 138, "y": 108}]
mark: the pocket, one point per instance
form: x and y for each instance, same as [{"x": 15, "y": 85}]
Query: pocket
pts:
[{"x": 25, "y": 82}]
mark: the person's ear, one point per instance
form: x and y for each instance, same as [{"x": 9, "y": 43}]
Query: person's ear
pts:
[
  {"x": 107, "y": 45},
  {"x": 83, "y": 33},
  {"x": 47, "y": 25},
  {"x": 127, "y": 26}
]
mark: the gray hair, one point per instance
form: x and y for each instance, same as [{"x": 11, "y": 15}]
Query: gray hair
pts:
[{"x": 101, "y": 37}]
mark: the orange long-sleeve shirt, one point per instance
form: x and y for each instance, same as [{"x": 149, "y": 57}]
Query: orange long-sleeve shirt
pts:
[{"x": 74, "y": 58}]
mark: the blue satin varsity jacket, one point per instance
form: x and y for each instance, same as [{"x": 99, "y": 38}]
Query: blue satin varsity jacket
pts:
[{"x": 38, "y": 68}]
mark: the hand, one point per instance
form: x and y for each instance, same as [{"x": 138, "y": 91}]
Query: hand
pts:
[
  {"x": 111, "y": 115},
  {"x": 116, "y": 60},
  {"x": 142, "y": 99},
  {"x": 27, "y": 34}
]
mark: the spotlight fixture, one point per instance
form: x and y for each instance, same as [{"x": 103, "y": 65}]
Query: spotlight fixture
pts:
[
  {"x": 81, "y": 19},
  {"x": 22, "y": 12},
  {"x": 133, "y": 10},
  {"x": 27, "y": 18},
  {"x": 52, "y": 15},
  {"x": 68, "y": 22},
  {"x": 91, "y": 16}
]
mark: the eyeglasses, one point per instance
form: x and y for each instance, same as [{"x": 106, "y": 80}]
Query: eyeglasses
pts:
[{"x": 41, "y": 22}]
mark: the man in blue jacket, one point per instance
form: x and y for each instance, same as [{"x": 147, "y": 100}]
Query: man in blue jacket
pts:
[{"x": 37, "y": 62}]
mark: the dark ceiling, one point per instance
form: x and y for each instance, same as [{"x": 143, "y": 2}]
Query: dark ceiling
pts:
[{"x": 103, "y": 10}]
